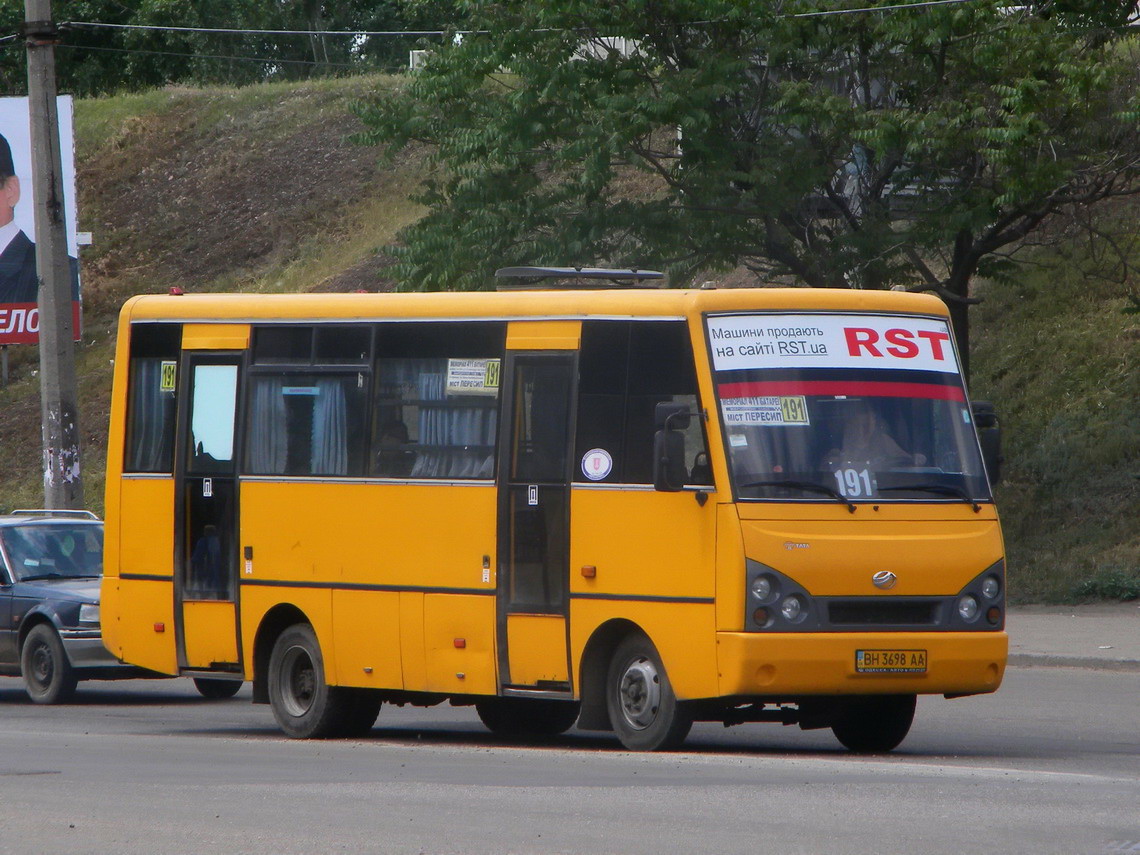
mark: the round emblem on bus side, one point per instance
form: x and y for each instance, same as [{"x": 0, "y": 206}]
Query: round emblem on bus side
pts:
[
  {"x": 597, "y": 464},
  {"x": 884, "y": 579}
]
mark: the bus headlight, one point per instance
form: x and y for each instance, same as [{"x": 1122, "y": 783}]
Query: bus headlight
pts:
[
  {"x": 774, "y": 602},
  {"x": 762, "y": 588},
  {"x": 792, "y": 608},
  {"x": 991, "y": 587},
  {"x": 967, "y": 607}
]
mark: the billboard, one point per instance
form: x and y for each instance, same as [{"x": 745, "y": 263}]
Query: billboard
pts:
[{"x": 19, "y": 314}]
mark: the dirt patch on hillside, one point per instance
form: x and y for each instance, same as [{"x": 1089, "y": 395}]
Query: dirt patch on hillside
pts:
[{"x": 188, "y": 203}]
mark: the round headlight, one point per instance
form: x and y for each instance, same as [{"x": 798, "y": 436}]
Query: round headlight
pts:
[
  {"x": 968, "y": 607},
  {"x": 762, "y": 587},
  {"x": 991, "y": 587},
  {"x": 791, "y": 608}
]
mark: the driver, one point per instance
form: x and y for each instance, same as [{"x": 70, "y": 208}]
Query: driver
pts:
[{"x": 866, "y": 442}]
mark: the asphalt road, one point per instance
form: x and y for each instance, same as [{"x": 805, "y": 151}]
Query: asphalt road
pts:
[{"x": 1050, "y": 764}]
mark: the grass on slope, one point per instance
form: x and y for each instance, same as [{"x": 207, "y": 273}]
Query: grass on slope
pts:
[
  {"x": 1058, "y": 355},
  {"x": 223, "y": 189}
]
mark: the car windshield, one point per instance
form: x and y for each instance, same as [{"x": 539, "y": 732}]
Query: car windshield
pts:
[
  {"x": 849, "y": 407},
  {"x": 53, "y": 550}
]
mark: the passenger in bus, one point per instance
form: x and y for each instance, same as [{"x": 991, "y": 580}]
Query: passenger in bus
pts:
[
  {"x": 393, "y": 460},
  {"x": 866, "y": 442},
  {"x": 206, "y": 565}
]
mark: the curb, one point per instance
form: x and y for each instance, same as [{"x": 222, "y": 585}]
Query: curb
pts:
[{"x": 1036, "y": 660}]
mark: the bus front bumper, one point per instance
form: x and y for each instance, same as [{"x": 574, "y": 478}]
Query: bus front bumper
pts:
[{"x": 784, "y": 665}]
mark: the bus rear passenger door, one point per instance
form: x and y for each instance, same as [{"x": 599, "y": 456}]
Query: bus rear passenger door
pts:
[
  {"x": 534, "y": 521},
  {"x": 206, "y": 514}
]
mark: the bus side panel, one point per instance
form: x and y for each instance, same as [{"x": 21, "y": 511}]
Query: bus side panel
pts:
[
  {"x": 412, "y": 536},
  {"x": 138, "y": 623},
  {"x": 369, "y": 660},
  {"x": 730, "y": 563},
  {"x": 684, "y": 635},
  {"x": 144, "y": 546},
  {"x": 406, "y": 540},
  {"x": 314, "y": 603},
  {"x": 146, "y": 540},
  {"x": 459, "y": 637},
  {"x": 653, "y": 555}
]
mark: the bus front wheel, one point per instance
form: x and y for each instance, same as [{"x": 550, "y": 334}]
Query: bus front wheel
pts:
[
  {"x": 875, "y": 724},
  {"x": 644, "y": 711},
  {"x": 303, "y": 703}
]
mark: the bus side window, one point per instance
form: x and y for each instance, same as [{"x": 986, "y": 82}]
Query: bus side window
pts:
[
  {"x": 436, "y": 400},
  {"x": 151, "y": 397},
  {"x": 625, "y": 369}
]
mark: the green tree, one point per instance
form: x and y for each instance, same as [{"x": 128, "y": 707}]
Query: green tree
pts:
[{"x": 911, "y": 148}]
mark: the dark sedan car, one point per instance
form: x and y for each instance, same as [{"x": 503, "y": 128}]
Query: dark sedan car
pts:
[{"x": 51, "y": 563}]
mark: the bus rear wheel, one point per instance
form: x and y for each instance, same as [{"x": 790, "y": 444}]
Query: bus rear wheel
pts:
[
  {"x": 304, "y": 704},
  {"x": 875, "y": 724},
  {"x": 644, "y": 711},
  {"x": 520, "y": 717}
]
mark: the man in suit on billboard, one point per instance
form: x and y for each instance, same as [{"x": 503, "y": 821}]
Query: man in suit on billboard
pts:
[
  {"x": 18, "y": 280},
  {"x": 18, "y": 283}
]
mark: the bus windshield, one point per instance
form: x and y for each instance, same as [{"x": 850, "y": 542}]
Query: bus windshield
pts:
[{"x": 844, "y": 406}]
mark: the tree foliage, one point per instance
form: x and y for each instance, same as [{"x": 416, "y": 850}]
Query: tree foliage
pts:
[
  {"x": 899, "y": 148},
  {"x": 166, "y": 41}
]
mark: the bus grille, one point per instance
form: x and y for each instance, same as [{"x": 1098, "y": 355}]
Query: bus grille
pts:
[{"x": 864, "y": 613}]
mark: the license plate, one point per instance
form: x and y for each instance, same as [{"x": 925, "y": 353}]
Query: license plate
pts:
[{"x": 890, "y": 661}]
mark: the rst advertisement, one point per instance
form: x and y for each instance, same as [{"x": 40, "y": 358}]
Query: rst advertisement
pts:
[
  {"x": 755, "y": 341},
  {"x": 19, "y": 281}
]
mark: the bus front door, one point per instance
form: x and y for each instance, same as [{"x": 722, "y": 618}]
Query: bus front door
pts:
[
  {"x": 206, "y": 514},
  {"x": 534, "y": 521}
]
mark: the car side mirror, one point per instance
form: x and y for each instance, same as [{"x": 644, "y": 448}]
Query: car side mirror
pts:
[{"x": 988, "y": 426}]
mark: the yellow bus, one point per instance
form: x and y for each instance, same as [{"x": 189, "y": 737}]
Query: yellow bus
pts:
[{"x": 630, "y": 508}]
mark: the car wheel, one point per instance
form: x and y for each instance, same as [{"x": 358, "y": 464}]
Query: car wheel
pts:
[
  {"x": 875, "y": 724},
  {"x": 48, "y": 675},
  {"x": 643, "y": 709},
  {"x": 216, "y": 690},
  {"x": 304, "y": 704},
  {"x": 521, "y": 717}
]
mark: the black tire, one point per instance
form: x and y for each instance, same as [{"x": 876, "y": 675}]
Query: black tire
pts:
[
  {"x": 874, "y": 724},
  {"x": 512, "y": 718},
  {"x": 644, "y": 711},
  {"x": 304, "y": 704},
  {"x": 362, "y": 706},
  {"x": 48, "y": 675},
  {"x": 216, "y": 690}
]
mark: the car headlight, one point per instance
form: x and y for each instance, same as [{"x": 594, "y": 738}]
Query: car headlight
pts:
[{"x": 89, "y": 613}]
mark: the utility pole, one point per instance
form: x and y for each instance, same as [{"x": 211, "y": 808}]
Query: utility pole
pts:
[{"x": 59, "y": 407}]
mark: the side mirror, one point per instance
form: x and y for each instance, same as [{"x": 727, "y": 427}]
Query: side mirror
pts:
[
  {"x": 669, "y": 472},
  {"x": 669, "y": 461},
  {"x": 988, "y": 426}
]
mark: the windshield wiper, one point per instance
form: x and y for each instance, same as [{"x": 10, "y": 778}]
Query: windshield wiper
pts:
[
  {"x": 940, "y": 489},
  {"x": 40, "y": 576},
  {"x": 809, "y": 486}
]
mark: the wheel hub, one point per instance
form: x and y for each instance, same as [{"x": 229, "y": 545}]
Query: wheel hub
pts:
[
  {"x": 41, "y": 664},
  {"x": 640, "y": 693},
  {"x": 299, "y": 683}
]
